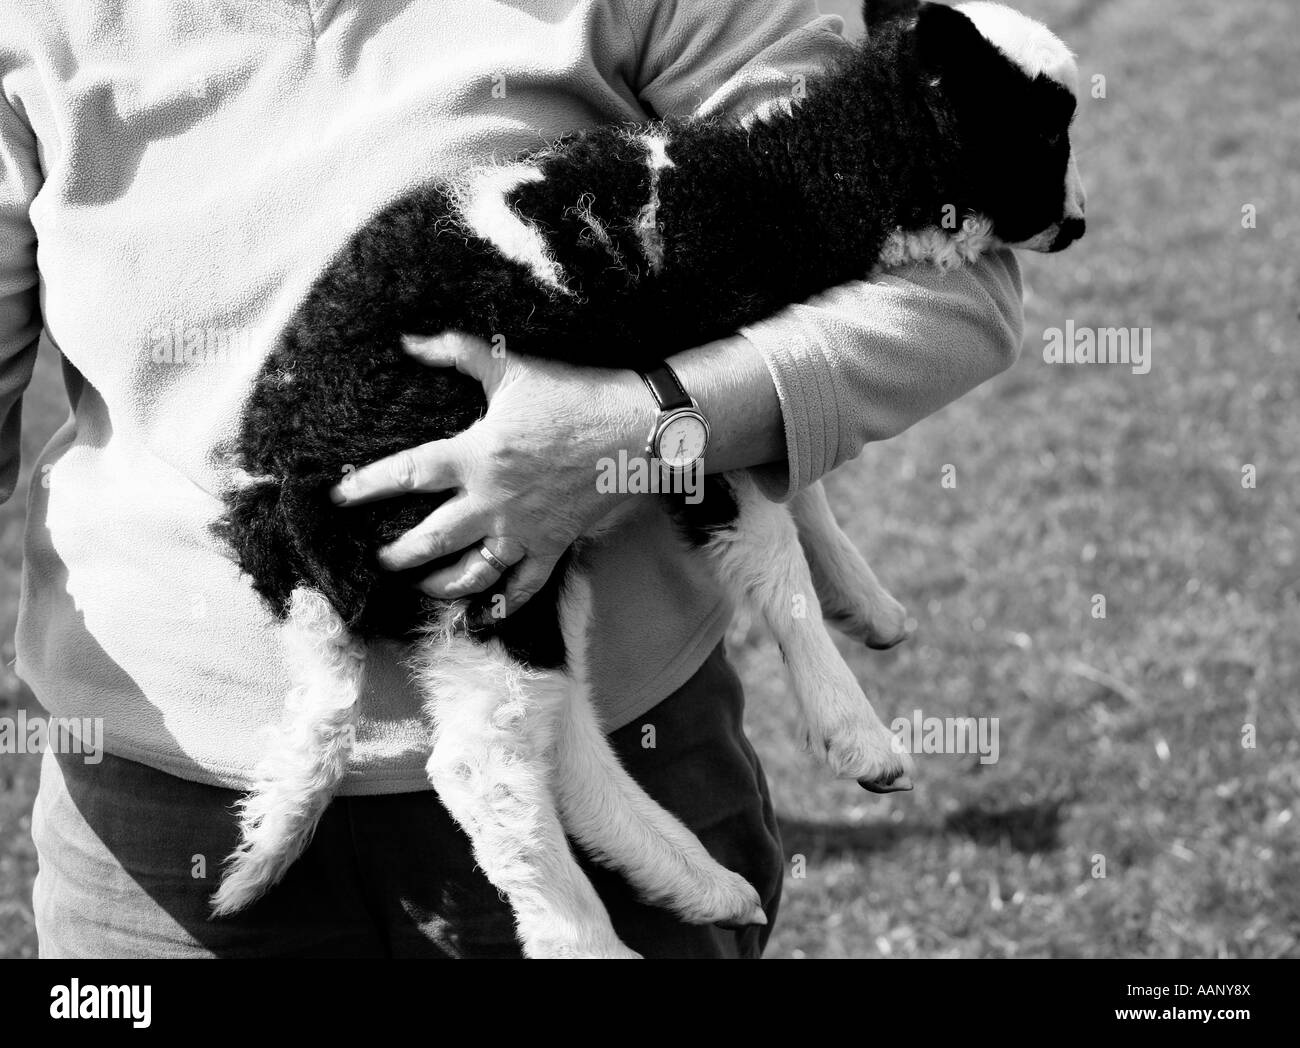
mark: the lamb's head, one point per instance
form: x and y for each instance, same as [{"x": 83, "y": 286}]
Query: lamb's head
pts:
[{"x": 1010, "y": 88}]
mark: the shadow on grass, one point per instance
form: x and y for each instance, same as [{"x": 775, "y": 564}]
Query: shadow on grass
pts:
[{"x": 1026, "y": 828}]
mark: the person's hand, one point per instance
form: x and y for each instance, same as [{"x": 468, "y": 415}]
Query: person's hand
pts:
[{"x": 524, "y": 474}]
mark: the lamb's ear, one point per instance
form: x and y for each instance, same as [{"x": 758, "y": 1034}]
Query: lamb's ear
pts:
[
  {"x": 876, "y": 13},
  {"x": 946, "y": 39}
]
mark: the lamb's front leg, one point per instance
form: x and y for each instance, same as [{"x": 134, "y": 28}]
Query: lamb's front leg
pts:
[
  {"x": 852, "y": 598},
  {"x": 760, "y": 560},
  {"x": 491, "y": 763}
]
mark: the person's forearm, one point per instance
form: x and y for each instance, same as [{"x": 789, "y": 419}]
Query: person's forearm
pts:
[
  {"x": 735, "y": 391},
  {"x": 864, "y": 361}
]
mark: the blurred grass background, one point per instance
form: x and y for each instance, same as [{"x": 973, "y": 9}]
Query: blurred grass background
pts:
[{"x": 1120, "y": 737}]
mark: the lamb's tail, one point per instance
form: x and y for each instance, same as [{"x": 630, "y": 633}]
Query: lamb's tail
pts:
[{"x": 308, "y": 754}]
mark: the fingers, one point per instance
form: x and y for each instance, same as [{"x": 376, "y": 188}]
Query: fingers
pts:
[
  {"x": 472, "y": 572},
  {"x": 526, "y": 580},
  {"x": 433, "y": 466},
  {"x": 453, "y": 526},
  {"x": 468, "y": 355},
  {"x": 430, "y": 467}
]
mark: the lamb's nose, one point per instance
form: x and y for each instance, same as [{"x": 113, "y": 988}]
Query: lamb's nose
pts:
[{"x": 1071, "y": 230}]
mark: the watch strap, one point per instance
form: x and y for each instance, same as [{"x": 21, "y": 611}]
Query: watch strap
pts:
[{"x": 666, "y": 388}]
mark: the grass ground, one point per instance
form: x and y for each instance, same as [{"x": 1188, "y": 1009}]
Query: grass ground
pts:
[{"x": 1121, "y": 739}]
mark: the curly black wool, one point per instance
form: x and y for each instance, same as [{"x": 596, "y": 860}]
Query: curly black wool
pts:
[{"x": 654, "y": 239}]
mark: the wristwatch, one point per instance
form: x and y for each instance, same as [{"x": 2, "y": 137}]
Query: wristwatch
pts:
[{"x": 681, "y": 432}]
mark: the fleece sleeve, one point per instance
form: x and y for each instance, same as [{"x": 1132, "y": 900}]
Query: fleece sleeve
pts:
[
  {"x": 864, "y": 361},
  {"x": 20, "y": 325}
]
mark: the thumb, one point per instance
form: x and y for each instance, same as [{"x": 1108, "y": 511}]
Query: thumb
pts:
[{"x": 453, "y": 349}]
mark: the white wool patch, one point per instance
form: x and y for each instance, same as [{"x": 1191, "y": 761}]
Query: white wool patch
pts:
[
  {"x": 308, "y": 752},
  {"x": 241, "y": 480},
  {"x": 1030, "y": 44},
  {"x": 657, "y": 149},
  {"x": 647, "y": 220},
  {"x": 944, "y": 248},
  {"x": 492, "y": 763},
  {"x": 480, "y": 199}
]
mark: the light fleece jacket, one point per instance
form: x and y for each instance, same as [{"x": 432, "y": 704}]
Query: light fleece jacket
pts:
[{"x": 173, "y": 176}]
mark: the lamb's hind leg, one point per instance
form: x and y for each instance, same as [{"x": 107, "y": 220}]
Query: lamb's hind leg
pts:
[
  {"x": 760, "y": 560},
  {"x": 493, "y": 748},
  {"x": 307, "y": 756},
  {"x": 852, "y": 598},
  {"x": 618, "y": 823}
]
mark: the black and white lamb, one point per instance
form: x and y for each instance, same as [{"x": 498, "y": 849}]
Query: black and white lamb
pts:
[{"x": 942, "y": 136}]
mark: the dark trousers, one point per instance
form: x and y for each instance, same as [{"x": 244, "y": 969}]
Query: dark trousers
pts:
[{"x": 129, "y": 855}]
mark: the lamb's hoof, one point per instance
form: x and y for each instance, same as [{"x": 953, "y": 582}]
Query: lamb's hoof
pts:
[
  {"x": 897, "y": 784},
  {"x": 860, "y": 747},
  {"x": 879, "y": 623},
  {"x": 886, "y": 641},
  {"x": 756, "y": 918},
  {"x": 718, "y": 896}
]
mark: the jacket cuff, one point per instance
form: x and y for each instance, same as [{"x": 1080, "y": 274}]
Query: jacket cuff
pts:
[{"x": 805, "y": 387}]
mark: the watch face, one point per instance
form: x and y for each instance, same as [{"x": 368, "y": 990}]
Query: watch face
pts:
[{"x": 682, "y": 439}]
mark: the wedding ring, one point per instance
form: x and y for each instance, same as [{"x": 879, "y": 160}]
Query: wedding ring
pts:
[{"x": 493, "y": 559}]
